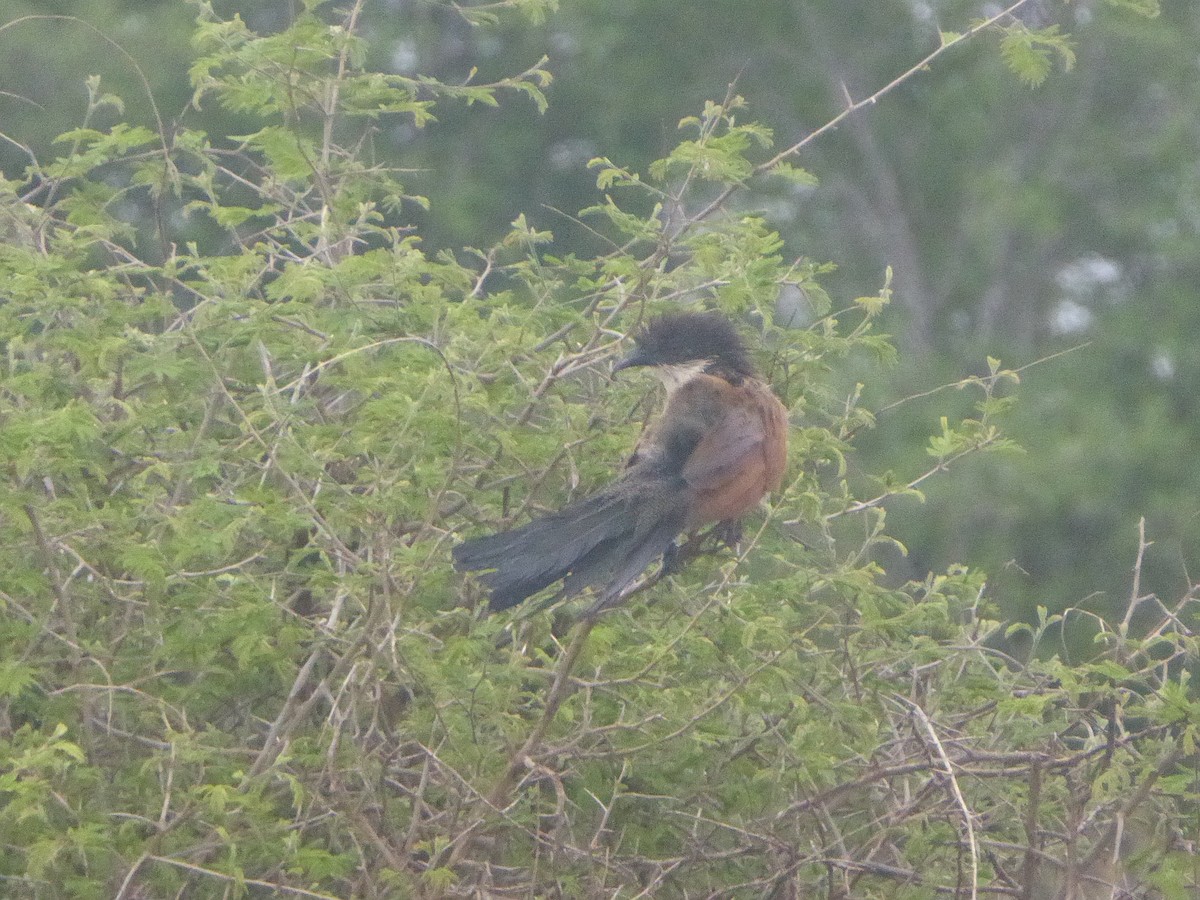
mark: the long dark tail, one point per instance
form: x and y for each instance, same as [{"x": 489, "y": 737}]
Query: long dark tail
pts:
[{"x": 606, "y": 539}]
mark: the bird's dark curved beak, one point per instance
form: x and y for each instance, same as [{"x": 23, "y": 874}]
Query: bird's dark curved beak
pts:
[{"x": 637, "y": 358}]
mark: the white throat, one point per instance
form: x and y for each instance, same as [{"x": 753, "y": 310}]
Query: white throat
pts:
[{"x": 676, "y": 376}]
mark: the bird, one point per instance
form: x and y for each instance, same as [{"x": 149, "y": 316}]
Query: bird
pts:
[{"x": 718, "y": 447}]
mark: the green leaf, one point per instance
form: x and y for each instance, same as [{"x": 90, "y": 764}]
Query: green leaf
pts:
[
  {"x": 1029, "y": 52},
  {"x": 795, "y": 175}
]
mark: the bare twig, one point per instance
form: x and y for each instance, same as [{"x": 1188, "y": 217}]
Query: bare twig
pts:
[
  {"x": 1135, "y": 592},
  {"x": 66, "y": 614},
  {"x": 853, "y": 107},
  {"x": 275, "y": 887},
  {"x": 956, "y": 791}
]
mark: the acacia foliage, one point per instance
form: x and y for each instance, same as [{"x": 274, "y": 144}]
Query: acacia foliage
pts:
[{"x": 238, "y": 443}]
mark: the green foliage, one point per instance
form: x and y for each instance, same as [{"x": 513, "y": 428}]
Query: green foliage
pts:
[
  {"x": 1030, "y": 52},
  {"x": 237, "y": 444}
]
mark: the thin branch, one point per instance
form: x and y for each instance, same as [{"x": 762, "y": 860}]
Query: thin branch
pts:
[
  {"x": 1135, "y": 592},
  {"x": 500, "y": 796},
  {"x": 855, "y": 106},
  {"x": 65, "y": 613},
  {"x": 959, "y": 384},
  {"x": 956, "y": 791},
  {"x": 221, "y": 876},
  {"x": 520, "y": 761}
]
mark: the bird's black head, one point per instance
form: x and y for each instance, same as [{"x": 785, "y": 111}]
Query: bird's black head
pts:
[{"x": 688, "y": 338}]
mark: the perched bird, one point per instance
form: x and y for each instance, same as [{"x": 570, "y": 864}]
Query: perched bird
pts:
[{"x": 719, "y": 446}]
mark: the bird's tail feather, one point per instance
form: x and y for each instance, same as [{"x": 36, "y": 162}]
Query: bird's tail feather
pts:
[{"x": 609, "y": 538}]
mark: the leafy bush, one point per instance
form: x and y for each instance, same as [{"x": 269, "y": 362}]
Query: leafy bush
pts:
[{"x": 244, "y": 413}]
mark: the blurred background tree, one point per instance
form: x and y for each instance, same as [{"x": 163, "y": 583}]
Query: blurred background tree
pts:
[{"x": 1019, "y": 219}]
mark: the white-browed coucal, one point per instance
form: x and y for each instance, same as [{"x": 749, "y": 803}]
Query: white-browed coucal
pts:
[{"x": 719, "y": 446}]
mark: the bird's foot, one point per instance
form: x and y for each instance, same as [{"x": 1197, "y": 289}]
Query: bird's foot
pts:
[{"x": 728, "y": 533}]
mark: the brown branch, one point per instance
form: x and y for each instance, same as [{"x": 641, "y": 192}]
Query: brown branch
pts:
[
  {"x": 221, "y": 876},
  {"x": 54, "y": 575},
  {"x": 955, "y": 790},
  {"x": 500, "y": 797},
  {"x": 1030, "y": 866},
  {"x": 522, "y": 759},
  {"x": 1136, "y": 799}
]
